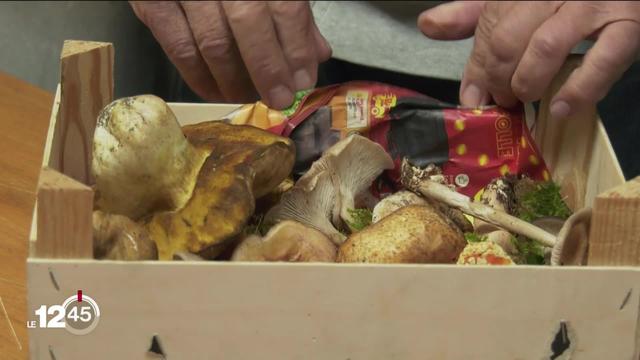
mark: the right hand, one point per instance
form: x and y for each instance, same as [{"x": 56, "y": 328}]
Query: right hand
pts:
[{"x": 229, "y": 50}]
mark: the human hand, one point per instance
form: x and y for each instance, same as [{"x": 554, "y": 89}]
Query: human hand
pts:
[
  {"x": 226, "y": 50},
  {"x": 520, "y": 46}
]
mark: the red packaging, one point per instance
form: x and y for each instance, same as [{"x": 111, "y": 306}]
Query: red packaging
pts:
[{"x": 472, "y": 146}]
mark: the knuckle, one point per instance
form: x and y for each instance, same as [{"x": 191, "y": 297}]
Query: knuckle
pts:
[
  {"x": 523, "y": 88},
  {"x": 502, "y": 46},
  {"x": 300, "y": 55},
  {"x": 287, "y": 8},
  {"x": 267, "y": 70},
  {"x": 182, "y": 50},
  {"x": 545, "y": 46},
  {"x": 214, "y": 47}
]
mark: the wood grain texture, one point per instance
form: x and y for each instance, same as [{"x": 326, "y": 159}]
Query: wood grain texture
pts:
[
  {"x": 86, "y": 86},
  {"x": 615, "y": 226},
  {"x": 576, "y": 149},
  {"x": 221, "y": 310},
  {"x": 25, "y": 112},
  {"x": 64, "y": 217}
]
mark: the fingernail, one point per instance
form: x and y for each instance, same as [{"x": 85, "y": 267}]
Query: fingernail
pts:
[
  {"x": 280, "y": 97},
  {"x": 559, "y": 109},
  {"x": 472, "y": 96},
  {"x": 302, "y": 79}
]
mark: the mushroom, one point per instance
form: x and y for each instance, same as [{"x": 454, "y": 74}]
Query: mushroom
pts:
[
  {"x": 116, "y": 237},
  {"x": 311, "y": 203},
  {"x": 186, "y": 256},
  {"x": 354, "y": 163},
  {"x": 411, "y": 234},
  {"x": 502, "y": 219},
  {"x": 287, "y": 241},
  {"x": 141, "y": 160},
  {"x": 194, "y": 188},
  {"x": 394, "y": 202},
  {"x": 484, "y": 253},
  {"x": 500, "y": 195},
  {"x": 503, "y": 239}
]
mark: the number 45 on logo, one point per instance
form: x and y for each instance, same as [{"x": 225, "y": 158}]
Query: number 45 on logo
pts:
[{"x": 78, "y": 314}]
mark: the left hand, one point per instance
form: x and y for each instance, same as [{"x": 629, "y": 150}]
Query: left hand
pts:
[{"x": 520, "y": 46}]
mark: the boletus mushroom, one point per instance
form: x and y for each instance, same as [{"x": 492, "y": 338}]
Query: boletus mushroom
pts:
[
  {"x": 194, "y": 188},
  {"x": 287, "y": 241},
  {"x": 411, "y": 234}
]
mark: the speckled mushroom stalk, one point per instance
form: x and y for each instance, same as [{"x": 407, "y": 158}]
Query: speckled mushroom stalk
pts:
[{"x": 411, "y": 180}]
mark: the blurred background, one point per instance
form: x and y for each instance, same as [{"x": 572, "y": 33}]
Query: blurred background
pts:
[{"x": 32, "y": 34}]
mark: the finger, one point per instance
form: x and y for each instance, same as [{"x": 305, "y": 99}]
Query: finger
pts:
[
  {"x": 472, "y": 89},
  {"x": 508, "y": 42},
  {"x": 323, "y": 49},
  {"x": 293, "y": 24},
  {"x": 169, "y": 26},
  {"x": 451, "y": 21},
  {"x": 218, "y": 49},
  {"x": 255, "y": 34},
  {"x": 547, "y": 50},
  {"x": 604, "y": 63}
]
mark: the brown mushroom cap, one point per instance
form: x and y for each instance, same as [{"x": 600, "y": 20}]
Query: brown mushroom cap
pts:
[
  {"x": 411, "y": 234},
  {"x": 287, "y": 241}
]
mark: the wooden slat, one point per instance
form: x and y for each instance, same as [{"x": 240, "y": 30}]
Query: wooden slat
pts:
[
  {"x": 64, "y": 217},
  {"x": 615, "y": 226},
  {"x": 570, "y": 146},
  {"x": 222, "y": 310},
  {"x": 86, "y": 86}
]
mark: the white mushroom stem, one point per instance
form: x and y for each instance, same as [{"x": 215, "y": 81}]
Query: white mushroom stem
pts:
[{"x": 454, "y": 199}]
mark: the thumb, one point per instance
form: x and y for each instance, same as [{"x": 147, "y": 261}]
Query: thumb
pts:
[{"x": 451, "y": 21}]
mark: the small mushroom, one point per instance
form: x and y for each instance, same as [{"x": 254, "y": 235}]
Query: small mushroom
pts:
[
  {"x": 310, "y": 203},
  {"x": 503, "y": 239},
  {"x": 287, "y": 241},
  {"x": 354, "y": 162},
  {"x": 394, "y": 202},
  {"x": 500, "y": 195},
  {"x": 116, "y": 237},
  {"x": 484, "y": 253}
]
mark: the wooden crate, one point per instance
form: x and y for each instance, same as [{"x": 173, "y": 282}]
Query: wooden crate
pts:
[{"x": 218, "y": 310}]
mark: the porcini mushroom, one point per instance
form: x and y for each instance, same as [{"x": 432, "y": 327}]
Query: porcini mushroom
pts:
[
  {"x": 310, "y": 203},
  {"x": 141, "y": 159},
  {"x": 194, "y": 188},
  {"x": 287, "y": 241},
  {"x": 411, "y": 234}
]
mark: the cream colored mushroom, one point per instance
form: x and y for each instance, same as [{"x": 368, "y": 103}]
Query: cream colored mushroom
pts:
[
  {"x": 287, "y": 241},
  {"x": 354, "y": 163},
  {"x": 394, "y": 202},
  {"x": 310, "y": 203}
]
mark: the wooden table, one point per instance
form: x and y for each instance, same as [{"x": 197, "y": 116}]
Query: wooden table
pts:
[{"x": 24, "y": 118}]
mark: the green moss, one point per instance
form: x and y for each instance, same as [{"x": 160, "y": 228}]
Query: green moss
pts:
[
  {"x": 530, "y": 252},
  {"x": 361, "y": 219},
  {"x": 544, "y": 200},
  {"x": 472, "y": 237}
]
